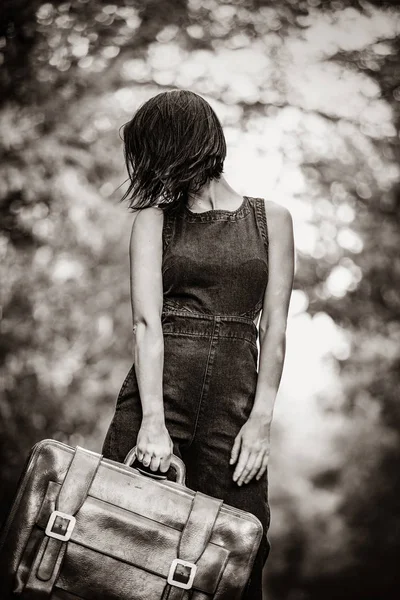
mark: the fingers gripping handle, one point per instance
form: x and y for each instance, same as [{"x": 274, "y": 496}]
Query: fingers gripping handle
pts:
[{"x": 176, "y": 464}]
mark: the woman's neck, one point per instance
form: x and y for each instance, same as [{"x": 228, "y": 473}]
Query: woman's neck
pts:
[{"x": 217, "y": 194}]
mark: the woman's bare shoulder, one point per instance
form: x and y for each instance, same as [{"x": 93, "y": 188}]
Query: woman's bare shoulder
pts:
[
  {"x": 277, "y": 211},
  {"x": 147, "y": 217},
  {"x": 279, "y": 218}
]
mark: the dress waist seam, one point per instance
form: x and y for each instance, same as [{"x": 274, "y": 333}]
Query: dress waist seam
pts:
[{"x": 189, "y": 314}]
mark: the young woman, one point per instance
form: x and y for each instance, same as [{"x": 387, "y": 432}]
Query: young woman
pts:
[{"x": 206, "y": 262}]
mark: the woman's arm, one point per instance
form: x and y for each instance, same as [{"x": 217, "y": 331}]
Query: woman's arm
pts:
[
  {"x": 154, "y": 446},
  {"x": 251, "y": 447}
]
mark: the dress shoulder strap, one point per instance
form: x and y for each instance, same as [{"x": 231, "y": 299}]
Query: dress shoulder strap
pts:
[
  {"x": 168, "y": 228},
  {"x": 261, "y": 218}
]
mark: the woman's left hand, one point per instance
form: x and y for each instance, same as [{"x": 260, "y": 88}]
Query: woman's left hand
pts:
[{"x": 251, "y": 449}]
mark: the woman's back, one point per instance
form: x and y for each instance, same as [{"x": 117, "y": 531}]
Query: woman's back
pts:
[{"x": 216, "y": 262}]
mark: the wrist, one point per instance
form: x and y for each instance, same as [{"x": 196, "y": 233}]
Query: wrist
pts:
[
  {"x": 262, "y": 414},
  {"x": 153, "y": 418}
]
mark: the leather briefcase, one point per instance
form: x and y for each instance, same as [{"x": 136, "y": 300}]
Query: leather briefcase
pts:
[{"x": 86, "y": 527}]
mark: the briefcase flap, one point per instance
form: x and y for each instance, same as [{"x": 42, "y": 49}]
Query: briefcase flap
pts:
[{"x": 130, "y": 538}]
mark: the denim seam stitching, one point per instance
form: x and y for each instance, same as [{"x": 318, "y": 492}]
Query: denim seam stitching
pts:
[
  {"x": 218, "y": 215},
  {"x": 194, "y": 334},
  {"x": 187, "y": 333},
  {"x": 217, "y": 218},
  {"x": 241, "y": 318},
  {"x": 167, "y": 230},
  {"x": 205, "y": 379},
  {"x": 261, "y": 216}
]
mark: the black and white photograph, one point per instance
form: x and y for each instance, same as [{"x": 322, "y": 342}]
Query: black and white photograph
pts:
[{"x": 200, "y": 300}]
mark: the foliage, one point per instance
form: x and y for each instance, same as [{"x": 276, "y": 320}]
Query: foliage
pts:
[{"x": 314, "y": 88}]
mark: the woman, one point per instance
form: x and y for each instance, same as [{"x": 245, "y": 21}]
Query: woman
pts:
[{"x": 201, "y": 257}]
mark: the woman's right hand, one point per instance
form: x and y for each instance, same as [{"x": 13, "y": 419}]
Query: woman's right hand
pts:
[{"x": 154, "y": 446}]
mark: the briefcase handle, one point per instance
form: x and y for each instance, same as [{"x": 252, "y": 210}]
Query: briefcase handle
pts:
[{"x": 177, "y": 465}]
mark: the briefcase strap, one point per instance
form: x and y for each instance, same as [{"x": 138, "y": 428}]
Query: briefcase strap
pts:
[
  {"x": 47, "y": 563},
  {"x": 194, "y": 539}
]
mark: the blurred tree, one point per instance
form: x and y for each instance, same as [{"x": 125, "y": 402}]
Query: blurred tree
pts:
[{"x": 64, "y": 295}]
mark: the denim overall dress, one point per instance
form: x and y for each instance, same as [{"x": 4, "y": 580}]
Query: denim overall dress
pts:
[{"x": 215, "y": 272}]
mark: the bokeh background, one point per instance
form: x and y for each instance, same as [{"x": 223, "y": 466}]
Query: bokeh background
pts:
[{"x": 309, "y": 96}]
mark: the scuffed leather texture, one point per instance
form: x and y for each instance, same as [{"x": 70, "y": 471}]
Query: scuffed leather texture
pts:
[
  {"x": 72, "y": 494},
  {"x": 128, "y": 530},
  {"x": 198, "y": 528},
  {"x": 195, "y": 536}
]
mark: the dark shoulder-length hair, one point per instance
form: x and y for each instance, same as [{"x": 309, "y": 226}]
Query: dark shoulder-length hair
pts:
[{"x": 173, "y": 146}]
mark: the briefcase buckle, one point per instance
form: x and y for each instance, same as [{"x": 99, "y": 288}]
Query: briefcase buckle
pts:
[
  {"x": 60, "y": 525},
  {"x": 181, "y": 573}
]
